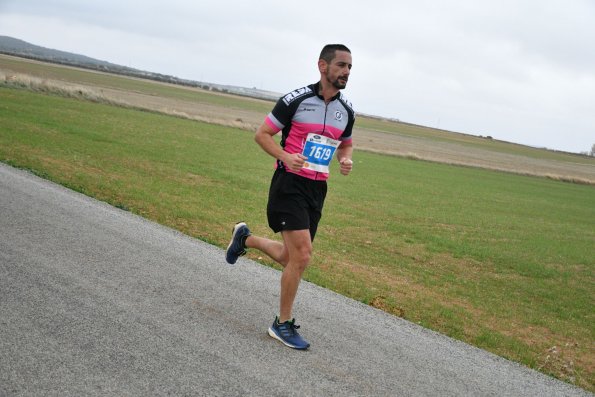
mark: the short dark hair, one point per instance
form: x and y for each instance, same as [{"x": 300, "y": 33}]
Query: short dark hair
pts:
[{"x": 328, "y": 51}]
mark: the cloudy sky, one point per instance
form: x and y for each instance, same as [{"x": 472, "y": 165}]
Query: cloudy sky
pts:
[{"x": 517, "y": 70}]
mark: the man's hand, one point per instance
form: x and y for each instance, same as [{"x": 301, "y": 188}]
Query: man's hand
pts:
[
  {"x": 295, "y": 162},
  {"x": 346, "y": 166}
]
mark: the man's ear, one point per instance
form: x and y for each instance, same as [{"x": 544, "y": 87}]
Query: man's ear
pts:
[{"x": 322, "y": 65}]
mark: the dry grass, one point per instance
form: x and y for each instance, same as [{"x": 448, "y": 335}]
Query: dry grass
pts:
[
  {"x": 132, "y": 100},
  {"x": 36, "y": 84}
]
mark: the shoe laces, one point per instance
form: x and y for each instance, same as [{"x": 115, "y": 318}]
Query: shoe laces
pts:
[{"x": 288, "y": 328}]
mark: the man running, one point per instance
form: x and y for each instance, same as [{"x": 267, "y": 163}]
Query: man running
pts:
[{"x": 316, "y": 123}]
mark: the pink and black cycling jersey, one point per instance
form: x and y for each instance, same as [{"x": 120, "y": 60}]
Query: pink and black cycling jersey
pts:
[{"x": 303, "y": 115}]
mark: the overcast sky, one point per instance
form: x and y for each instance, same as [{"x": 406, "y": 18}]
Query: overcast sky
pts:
[{"x": 516, "y": 70}]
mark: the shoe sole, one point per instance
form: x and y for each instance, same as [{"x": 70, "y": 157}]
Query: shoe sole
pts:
[
  {"x": 273, "y": 335},
  {"x": 233, "y": 236}
]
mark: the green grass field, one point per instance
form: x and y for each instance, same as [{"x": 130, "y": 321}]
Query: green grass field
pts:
[{"x": 501, "y": 261}]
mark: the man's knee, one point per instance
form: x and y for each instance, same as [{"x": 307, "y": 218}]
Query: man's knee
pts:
[
  {"x": 298, "y": 247},
  {"x": 302, "y": 256}
]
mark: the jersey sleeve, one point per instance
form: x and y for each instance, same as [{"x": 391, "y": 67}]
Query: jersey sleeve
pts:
[
  {"x": 346, "y": 136},
  {"x": 279, "y": 117},
  {"x": 285, "y": 108}
]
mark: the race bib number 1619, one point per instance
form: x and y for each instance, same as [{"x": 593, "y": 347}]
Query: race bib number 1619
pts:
[{"x": 319, "y": 151}]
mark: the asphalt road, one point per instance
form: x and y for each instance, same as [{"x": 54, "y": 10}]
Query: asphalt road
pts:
[{"x": 97, "y": 301}]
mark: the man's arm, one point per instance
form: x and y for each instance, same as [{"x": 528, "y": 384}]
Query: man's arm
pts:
[
  {"x": 264, "y": 137},
  {"x": 344, "y": 153}
]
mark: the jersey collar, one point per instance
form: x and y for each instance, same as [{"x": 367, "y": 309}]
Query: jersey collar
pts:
[{"x": 316, "y": 88}]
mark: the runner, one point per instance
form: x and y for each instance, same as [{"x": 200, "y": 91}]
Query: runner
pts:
[{"x": 316, "y": 124}]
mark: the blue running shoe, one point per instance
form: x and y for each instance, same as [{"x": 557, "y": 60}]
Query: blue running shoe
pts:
[
  {"x": 286, "y": 333},
  {"x": 237, "y": 247}
]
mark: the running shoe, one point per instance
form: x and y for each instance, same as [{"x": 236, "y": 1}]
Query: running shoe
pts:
[
  {"x": 286, "y": 333},
  {"x": 237, "y": 247}
]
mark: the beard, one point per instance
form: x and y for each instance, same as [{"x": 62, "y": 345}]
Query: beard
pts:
[{"x": 339, "y": 83}]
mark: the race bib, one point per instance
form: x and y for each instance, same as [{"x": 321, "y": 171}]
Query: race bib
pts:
[{"x": 319, "y": 151}]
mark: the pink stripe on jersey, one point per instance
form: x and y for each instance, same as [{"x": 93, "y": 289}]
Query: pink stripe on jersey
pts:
[
  {"x": 316, "y": 176},
  {"x": 272, "y": 124}
]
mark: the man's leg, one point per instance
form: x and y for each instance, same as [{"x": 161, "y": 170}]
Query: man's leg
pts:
[
  {"x": 294, "y": 255},
  {"x": 298, "y": 245},
  {"x": 276, "y": 250}
]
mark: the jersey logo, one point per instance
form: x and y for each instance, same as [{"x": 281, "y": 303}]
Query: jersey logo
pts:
[
  {"x": 338, "y": 115},
  {"x": 293, "y": 95}
]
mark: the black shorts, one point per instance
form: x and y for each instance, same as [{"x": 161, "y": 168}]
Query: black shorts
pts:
[{"x": 295, "y": 202}]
